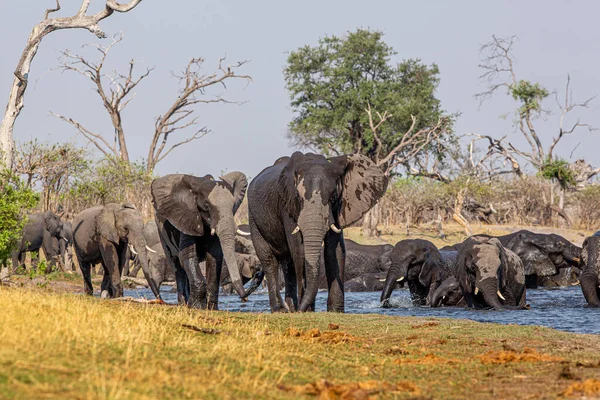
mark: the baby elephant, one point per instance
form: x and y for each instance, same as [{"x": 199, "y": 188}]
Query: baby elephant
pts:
[
  {"x": 490, "y": 275},
  {"x": 448, "y": 294},
  {"x": 590, "y": 276}
]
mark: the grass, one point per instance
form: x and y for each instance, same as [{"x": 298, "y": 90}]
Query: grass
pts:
[{"x": 57, "y": 345}]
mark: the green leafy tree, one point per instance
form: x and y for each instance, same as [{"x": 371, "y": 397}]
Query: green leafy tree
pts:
[
  {"x": 350, "y": 97},
  {"x": 15, "y": 200}
]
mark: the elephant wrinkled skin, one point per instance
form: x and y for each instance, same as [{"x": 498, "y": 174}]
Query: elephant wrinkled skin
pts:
[
  {"x": 296, "y": 205},
  {"x": 40, "y": 231},
  {"x": 590, "y": 276}
]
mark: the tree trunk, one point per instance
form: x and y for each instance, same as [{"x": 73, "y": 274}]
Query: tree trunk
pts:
[{"x": 370, "y": 221}]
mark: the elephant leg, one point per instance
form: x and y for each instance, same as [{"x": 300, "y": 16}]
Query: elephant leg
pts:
[
  {"x": 110, "y": 261},
  {"x": 188, "y": 257},
  {"x": 291, "y": 285},
  {"x": 183, "y": 285},
  {"x": 136, "y": 268},
  {"x": 87, "y": 277},
  {"x": 589, "y": 287},
  {"x": 335, "y": 260},
  {"x": 105, "y": 288},
  {"x": 214, "y": 265},
  {"x": 270, "y": 266},
  {"x": 124, "y": 260}
]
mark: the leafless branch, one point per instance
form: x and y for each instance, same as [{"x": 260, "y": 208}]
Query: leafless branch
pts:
[
  {"x": 195, "y": 83},
  {"x": 96, "y": 139},
  {"x": 51, "y": 10}
]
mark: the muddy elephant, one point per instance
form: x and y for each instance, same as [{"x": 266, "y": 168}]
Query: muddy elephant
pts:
[
  {"x": 194, "y": 216},
  {"x": 448, "y": 293},
  {"x": 296, "y": 205},
  {"x": 590, "y": 276},
  {"x": 40, "y": 231},
  {"x": 370, "y": 282},
  {"x": 107, "y": 234},
  {"x": 490, "y": 275},
  {"x": 363, "y": 263},
  {"x": 420, "y": 264}
]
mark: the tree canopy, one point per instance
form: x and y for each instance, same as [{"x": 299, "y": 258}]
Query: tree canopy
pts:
[{"x": 331, "y": 85}]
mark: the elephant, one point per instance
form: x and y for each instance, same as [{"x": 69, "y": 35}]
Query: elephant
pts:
[
  {"x": 195, "y": 220},
  {"x": 490, "y": 275},
  {"x": 590, "y": 276},
  {"x": 106, "y": 234},
  {"x": 64, "y": 246},
  {"x": 542, "y": 254},
  {"x": 160, "y": 270},
  {"x": 296, "y": 205},
  {"x": 448, "y": 293},
  {"x": 421, "y": 265},
  {"x": 39, "y": 232},
  {"x": 363, "y": 263},
  {"x": 152, "y": 239},
  {"x": 370, "y": 282}
]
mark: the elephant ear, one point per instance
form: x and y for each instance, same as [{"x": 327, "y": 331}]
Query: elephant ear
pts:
[
  {"x": 106, "y": 223},
  {"x": 430, "y": 267},
  {"x": 363, "y": 183},
  {"x": 177, "y": 198},
  {"x": 238, "y": 182}
]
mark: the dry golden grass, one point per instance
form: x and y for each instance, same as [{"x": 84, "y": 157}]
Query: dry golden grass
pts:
[{"x": 70, "y": 346}]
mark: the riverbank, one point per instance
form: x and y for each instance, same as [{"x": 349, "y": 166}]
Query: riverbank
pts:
[{"x": 55, "y": 345}]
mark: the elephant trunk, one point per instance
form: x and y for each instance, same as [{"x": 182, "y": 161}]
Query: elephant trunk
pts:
[
  {"x": 255, "y": 283},
  {"x": 489, "y": 288},
  {"x": 314, "y": 224},
  {"x": 396, "y": 273},
  {"x": 140, "y": 247},
  {"x": 225, "y": 230}
]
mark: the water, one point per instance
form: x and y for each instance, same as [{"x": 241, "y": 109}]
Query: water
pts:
[{"x": 561, "y": 308}]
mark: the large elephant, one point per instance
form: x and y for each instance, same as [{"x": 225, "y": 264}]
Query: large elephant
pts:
[
  {"x": 419, "y": 263},
  {"x": 490, "y": 275},
  {"x": 39, "y": 232},
  {"x": 296, "y": 205},
  {"x": 195, "y": 221},
  {"x": 363, "y": 263},
  {"x": 106, "y": 235},
  {"x": 590, "y": 276}
]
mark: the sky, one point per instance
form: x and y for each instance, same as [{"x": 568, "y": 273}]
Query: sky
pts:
[{"x": 555, "y": 38}]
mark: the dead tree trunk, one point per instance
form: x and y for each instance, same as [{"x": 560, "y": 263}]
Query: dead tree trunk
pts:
[
  {"x": 370, "y": 220},
  {"x": 48, "y": 25}
]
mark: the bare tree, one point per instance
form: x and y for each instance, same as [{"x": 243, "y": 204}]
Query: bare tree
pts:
[
  {"x": 116, "y": 91},
  {"x": 498, "y": 63},
  {"x": 177, "y": 116},
  {"x": 47, "y": 25}
]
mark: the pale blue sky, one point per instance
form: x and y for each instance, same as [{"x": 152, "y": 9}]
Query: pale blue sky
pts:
[{"x": 555, "y": 38}]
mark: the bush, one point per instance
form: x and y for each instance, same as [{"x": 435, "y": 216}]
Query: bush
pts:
[{"x": 15, "y": 200}]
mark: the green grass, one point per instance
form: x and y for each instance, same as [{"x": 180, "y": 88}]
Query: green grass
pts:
[{"x": 70, "y": 346}]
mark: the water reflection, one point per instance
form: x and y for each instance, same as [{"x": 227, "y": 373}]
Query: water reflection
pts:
[{"x": 562, "y": 308}]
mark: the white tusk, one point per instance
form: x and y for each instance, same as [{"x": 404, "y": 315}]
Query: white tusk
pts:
[
  {"x": 66, "y": 240},
  {"x": 132, "y": 250},
  {"x": 476, "y": 290},
  {"x": 443, "y": 298},
  {"x": 335, "y": 228},
  {"x": 382, "y": 280},
  {"x": 400, "y": 279},
  {"x": 241, "y": 232},
  {"x": 296, "y": 230},
  {"x": 150, "y": 250},
  {"x": 500, "y": 295},
  {"x": 212, "y": 232}
]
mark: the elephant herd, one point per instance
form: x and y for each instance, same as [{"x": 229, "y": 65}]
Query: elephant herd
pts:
[{"x": 297, "y": 210}]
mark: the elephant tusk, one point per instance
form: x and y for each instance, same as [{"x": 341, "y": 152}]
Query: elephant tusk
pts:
[
  {"x": 577, "y": 259},
  {"x": 66, "y": 240},
  {"x": 213, "y": 231},
  {"x": 382, "y": 280},
  {"x": 132, "y": 250},
  {"x": 476, "y": 290},
  {"x": 296, "y": 230},
  {"x": 335, "y": 228},
  {"x": 400, "y": 279},
  {"x": 242, "y": 233},
  {"x": 500, "y": 295},
  {"x": 150, "y": 250}
]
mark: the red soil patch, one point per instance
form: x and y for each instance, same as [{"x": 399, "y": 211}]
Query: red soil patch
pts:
[
  {"x": 315, "y": 334},
  {"x": 586, "y": 388},
  {"x": 326, "y": 390},
  {"x": 427, "y": 324}
]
